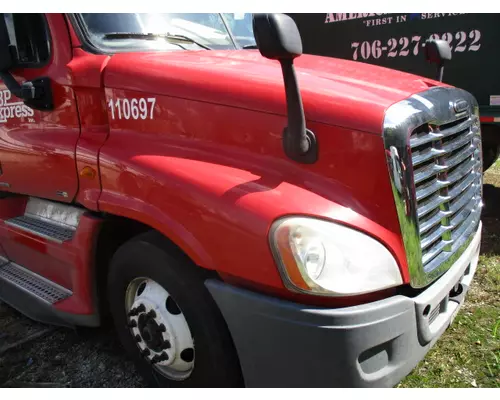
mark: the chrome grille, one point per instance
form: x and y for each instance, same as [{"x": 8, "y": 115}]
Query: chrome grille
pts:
[
  {"x": 434, "y": 158},
  {"x": 447, "y": 176}
]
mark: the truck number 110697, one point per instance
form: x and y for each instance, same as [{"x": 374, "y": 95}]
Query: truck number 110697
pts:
[{"x": 141, "y": 108}]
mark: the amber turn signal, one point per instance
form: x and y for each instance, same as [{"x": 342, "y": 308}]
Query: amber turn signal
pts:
[{"x": 88, "y": 172}]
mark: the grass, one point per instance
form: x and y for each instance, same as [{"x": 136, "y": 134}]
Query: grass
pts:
[{"x": 468, "y": 353}]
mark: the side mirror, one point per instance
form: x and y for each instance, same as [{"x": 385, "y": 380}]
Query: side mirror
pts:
[
  {"x": 278, "y": 38},
  {"x": 437, "y": 52},
  {"x": 36, "y": 93},
  {"x": 6, "y": 60}
]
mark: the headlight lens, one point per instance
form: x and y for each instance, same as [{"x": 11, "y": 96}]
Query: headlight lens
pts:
[
  {"x": 312, "y": 255},
  {"x": 325, "y": 258}
]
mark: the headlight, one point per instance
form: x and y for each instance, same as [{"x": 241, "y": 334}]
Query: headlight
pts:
[{"x": 325, "y": 258}]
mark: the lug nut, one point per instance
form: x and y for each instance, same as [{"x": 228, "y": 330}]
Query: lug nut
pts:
[
  {"x": 141, "y": 308},
  {"x": 152, "y": 314},
  {"x": 162, "y": 328},
  {"x": 166, "y": 345},
  {"x": 132, "y": 323},
  {"x": 133, "y": 312},
  {"x": 154, "y": 360},
  {"x": 159, "y": 358},
  {"x": 138, "y": 338},
  {"x": 146, "y": 353}
]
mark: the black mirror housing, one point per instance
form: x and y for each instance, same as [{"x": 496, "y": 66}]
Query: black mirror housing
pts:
[
  {"x": 277, "y": 36},
  {"x": 437, "y": 51}
]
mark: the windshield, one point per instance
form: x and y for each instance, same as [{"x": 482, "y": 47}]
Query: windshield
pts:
[
  {"x": 240, "y": 25},
  {"x": 148, "y": 31}
]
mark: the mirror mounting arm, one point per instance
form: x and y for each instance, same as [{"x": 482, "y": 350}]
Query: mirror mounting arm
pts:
[
  {"x": 15, "y": 88},
  {"x": 299, "y": 143},
  {"x": 36, "y": 94},
  {"x": 440, "y": 72}
]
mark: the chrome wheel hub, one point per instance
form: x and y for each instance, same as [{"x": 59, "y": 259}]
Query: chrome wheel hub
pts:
[{"x": 159, "y": 328}]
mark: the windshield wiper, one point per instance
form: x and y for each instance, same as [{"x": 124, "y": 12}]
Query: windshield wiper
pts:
[{"x": 176, "y": 39}]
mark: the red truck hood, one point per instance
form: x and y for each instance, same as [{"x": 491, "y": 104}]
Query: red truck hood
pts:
[{"x": 336, "y": 92}]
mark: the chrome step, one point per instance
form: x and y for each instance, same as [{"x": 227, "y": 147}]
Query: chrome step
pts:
[
  {"x": 42, "y": 228},
  {"x": 32, "y": 283},
  {"x": 47, "y": 219}
]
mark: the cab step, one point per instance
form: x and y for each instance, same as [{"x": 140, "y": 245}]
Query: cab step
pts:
[
  {"x": 32, "y": 294},
  {"x": 42, "y": 228},
  {"x": 32, "y": 283},
  {"x": 49, "y": 220}
]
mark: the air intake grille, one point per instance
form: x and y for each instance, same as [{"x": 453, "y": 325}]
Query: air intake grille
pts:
[
  {"x": 432, "y": 142},
  {"x": 447, "y": 176}
]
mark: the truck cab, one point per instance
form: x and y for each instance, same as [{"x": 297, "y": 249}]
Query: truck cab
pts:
[{"x": 243, "y": 214}]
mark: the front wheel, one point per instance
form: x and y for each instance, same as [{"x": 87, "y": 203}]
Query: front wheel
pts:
[{"x": 166, "y": 319}]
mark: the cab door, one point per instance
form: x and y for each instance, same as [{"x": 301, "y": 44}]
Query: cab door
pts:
[{"x": 37, "y": 147}]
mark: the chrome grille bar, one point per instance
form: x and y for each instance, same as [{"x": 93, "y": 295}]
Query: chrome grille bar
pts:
[
  {"x": 417, "y": 141},
  {"x": 432, "y": 204},
  {"x": 457, "y": 204},
  {"x": 435, "y": 257}
]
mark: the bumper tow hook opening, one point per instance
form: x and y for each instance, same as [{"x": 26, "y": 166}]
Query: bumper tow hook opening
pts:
[
  {"x": 457, "y": 290},
  {"x": 427, "y": 310}
]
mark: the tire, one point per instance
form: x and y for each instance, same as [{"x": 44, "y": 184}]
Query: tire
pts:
[{"x": 151, "y": 256}]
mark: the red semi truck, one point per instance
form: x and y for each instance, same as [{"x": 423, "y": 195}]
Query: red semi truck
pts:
[{"x": 244, "y": 217}]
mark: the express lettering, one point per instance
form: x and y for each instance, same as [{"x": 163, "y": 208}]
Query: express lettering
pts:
[{"x": 12, "y": 110}]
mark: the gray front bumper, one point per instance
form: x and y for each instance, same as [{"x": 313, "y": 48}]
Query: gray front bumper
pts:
[{"x": 284, "y": 344}]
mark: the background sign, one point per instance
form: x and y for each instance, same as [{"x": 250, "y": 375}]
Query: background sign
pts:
[{"x": 396, "y": 41}]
